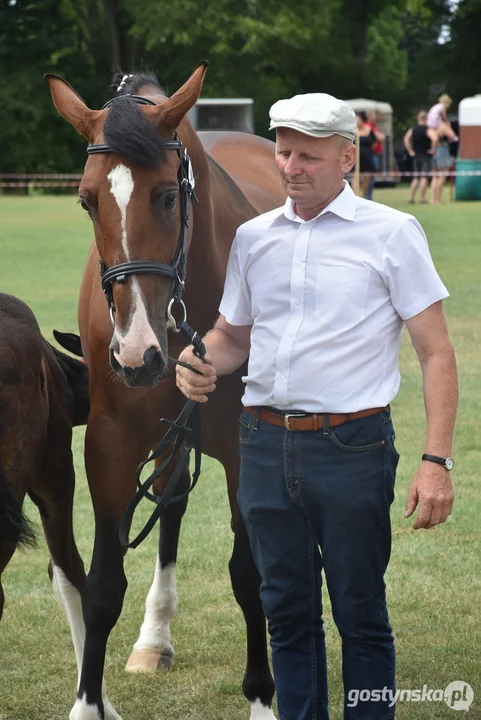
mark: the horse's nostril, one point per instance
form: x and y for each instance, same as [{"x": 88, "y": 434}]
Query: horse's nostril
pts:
[{"x": 150, "y": 356}]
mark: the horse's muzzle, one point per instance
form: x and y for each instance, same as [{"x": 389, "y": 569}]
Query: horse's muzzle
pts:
[{"x": 153, "y": 369}]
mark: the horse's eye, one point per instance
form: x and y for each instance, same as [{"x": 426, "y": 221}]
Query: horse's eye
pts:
[
  {"x": 170, "y": 201},
  {"x": 84, "y": 206}
]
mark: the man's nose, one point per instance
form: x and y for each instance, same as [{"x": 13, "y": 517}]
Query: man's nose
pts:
[{"x": 293, "y": 167}]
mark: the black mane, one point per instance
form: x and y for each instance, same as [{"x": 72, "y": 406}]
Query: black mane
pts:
[{"x": 127, "y": 131}]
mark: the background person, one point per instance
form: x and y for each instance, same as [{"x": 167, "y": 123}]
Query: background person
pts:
[
  {"x": 442, "y": 163},
  {"x": 377, "y": 149},
  {"x": 437, "y": 118},
  {"x": 367, "y": 139},
  {"x": 421, "y": 143},
  {"x": 322, "y": 334}
]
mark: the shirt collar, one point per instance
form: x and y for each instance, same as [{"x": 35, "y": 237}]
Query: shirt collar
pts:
[{"x": 344, "y": 206}]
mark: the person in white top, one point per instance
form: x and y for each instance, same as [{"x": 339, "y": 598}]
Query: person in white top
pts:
[
  {"x": 437, "y": 118},
  {"x": 316, "y": 296}
]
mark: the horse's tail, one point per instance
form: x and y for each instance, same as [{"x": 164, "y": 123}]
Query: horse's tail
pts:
[{"x": 14, "y": 525}]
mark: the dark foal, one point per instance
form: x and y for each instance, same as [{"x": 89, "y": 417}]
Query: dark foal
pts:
[
  {"x": 131, "y": 189},
  {"x": 43, "y": 394}
]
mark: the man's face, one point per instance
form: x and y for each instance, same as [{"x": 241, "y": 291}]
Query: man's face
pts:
[{"x": 312, "y": 168}]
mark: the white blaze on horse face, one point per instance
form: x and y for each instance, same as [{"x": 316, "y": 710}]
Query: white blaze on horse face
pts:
[
  {"x": 139, "y": 335},
  {"x": 68, "y": 597},
  {"x": 160, "y": 607},
  {"x": 122, "y": 187}
]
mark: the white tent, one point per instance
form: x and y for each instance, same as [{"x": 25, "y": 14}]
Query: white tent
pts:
[{"x": 384, "y": 113}]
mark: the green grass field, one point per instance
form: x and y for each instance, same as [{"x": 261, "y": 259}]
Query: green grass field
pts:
[{"x": 434, "y": 579}]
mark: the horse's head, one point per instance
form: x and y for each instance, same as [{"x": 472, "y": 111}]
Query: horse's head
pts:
[{"x": 137, "y": 188}]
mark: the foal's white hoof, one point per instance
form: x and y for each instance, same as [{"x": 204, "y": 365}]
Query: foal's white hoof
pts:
[
  {"x": 149, "y": 660},
  {"x": 261, "y": 712},
  {"x": 110, "y": 713},
  {"x": 83, "y": 711}
]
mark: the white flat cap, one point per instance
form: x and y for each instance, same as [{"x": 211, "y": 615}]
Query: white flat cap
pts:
[{"x": 316, "y": 114}]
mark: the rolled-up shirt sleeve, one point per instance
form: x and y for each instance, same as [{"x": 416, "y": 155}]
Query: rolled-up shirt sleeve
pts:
[
  {"x": 408, "y": 271},
  {"x": 236, "y": 303}
]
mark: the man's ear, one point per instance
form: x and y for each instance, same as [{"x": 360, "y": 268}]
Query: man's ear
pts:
[{"x": 348, "y": 157}]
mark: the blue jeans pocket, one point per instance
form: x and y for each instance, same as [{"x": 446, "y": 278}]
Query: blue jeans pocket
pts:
[
  {"x": 360, "y": 435},
  {"x": 390, "y": 466},
  {"x": 246, "y": 426}
]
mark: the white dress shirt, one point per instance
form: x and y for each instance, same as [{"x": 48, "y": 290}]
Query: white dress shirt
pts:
[{"x": 326, "y": 299}]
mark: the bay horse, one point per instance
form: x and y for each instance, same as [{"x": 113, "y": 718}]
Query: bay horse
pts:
[
  {"x": 138, "y": 188},
  {"x": 43, "y": 394}
]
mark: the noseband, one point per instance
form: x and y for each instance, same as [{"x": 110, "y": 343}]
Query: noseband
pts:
[{"x": 175, "y": 270}]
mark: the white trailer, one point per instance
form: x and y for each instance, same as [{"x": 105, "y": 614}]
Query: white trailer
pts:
[{"x": 223, "y": 114}]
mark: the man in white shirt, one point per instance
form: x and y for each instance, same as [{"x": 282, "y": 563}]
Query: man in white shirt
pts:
[{"x": 316, "y": 296}]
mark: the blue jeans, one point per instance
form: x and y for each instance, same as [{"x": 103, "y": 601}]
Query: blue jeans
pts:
[{"x": 313, "y": 501}]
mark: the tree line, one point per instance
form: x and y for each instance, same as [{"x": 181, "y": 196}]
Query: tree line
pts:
[{"x": 264, "y": 49}]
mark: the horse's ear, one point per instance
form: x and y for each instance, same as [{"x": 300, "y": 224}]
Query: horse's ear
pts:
[
  {"x": 72, "y": 107},
  {"x": 177, "y": 106}
]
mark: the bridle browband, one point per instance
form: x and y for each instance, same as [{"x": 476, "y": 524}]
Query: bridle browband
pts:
[
  {"x": 175, "y": 270},
  {"x": 184, "y": 434}
]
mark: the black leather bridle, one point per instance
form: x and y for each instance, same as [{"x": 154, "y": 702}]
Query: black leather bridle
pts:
[
  {"x": 175, "y": 270},
  {"x": 184, "y": 434}
]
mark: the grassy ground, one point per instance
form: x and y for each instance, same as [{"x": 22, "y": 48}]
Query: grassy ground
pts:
[{"x": 434, "y": 583}]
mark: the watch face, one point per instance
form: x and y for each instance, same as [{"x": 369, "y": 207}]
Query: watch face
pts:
[{"x": 449, "y": 464}]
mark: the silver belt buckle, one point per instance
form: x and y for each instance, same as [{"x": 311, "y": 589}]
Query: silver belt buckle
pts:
[{"x": 289, "y": 415}]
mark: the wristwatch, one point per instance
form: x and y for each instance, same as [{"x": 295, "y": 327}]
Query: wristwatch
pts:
[{"x": 448, "y": 462}]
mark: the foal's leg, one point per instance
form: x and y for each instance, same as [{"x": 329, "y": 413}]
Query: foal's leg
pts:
[
  {"x": 153, "y": 649},
  {"x": 7, "y": 548},
  {"x": 14, "y": 527},
  {"x": 258, "y": 685},
  {"x": 53, "y": 493},
  {"x": 112, "y": 453}
]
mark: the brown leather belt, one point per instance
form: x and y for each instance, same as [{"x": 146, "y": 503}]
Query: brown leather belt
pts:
[{"x": 300, "y": 422}]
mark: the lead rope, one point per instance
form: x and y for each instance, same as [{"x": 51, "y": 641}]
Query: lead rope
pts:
[{"x": 184, "y": 432}]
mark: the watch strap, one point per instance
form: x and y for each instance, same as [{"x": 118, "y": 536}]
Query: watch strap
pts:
[{"x": 435, "y": 459}]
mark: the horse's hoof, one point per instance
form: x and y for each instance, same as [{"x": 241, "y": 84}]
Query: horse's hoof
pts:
[
  {"x": 83, "y": 711},
  {"x": 261, "y": 712},
  {"x": 149, "y": 660}
]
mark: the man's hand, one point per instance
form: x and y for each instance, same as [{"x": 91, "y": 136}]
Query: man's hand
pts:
[
  {"x": 431, "y": 488},
  {"x": 195, "y": 387},
  {"x": 412, "y": 153}
]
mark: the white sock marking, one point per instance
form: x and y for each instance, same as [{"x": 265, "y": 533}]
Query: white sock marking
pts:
[
  {"x": 160, "y": 607},
  {"x": 122, "y": 186},
  {"x": 261, "y": 712},
  {"x": 83, "y": 711},
  {"x": 68, "y": 597}
]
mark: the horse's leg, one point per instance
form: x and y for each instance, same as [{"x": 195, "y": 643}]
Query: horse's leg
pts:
[
  {"x": 53, "y": 493},
  {"x": 153, "y": 650},
  {"x": 112, "y": 453},
  {"x": 7, "y": 548},
  {"x": 14, "y": 527},
  {"x": 258, "y": 685}
]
